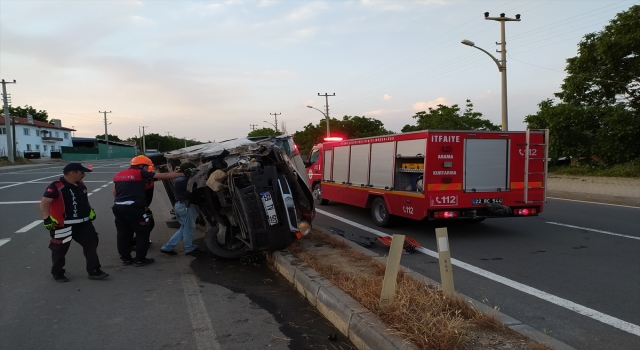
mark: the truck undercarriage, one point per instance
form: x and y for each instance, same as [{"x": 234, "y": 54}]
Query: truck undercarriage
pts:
[{"x": 250, "y": 195}]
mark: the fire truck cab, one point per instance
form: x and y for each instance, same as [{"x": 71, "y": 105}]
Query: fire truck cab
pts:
[{"x": 436, "y": 175}]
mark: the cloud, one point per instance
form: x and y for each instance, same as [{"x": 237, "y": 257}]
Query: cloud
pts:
[
  {"x": 423, "y": 106},
  {"x": 140, "y": 20},
  {"x": 307, "y": 11},
  {"x": 300, "y": 34},
  {"x": 386, "y": 97}
]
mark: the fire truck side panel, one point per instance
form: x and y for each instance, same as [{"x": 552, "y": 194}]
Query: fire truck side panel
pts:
[
  {"x": 359, "y": 165},
  {"x": 382, "y": 159},
  {"x": 485, "y": 165}
]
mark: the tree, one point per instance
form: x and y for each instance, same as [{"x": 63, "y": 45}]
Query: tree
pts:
[
  {"x": 162, "y": 143},
  {"x": 607, "y": 69},
  {"x": 349, "y": 127},
  {"x": 608, "y": 134},
  {"x": 450, "y": 118},
  {"x": 111, "y": 137},
  {"x": 23, "y": 111},
  {"x": 263, "y": 132}
]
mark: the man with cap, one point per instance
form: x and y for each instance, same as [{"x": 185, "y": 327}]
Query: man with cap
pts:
[
  {"x": 68, "y": 215},
  {"x": 186, "y": 213},
  {"x": 129, "y": 209}
]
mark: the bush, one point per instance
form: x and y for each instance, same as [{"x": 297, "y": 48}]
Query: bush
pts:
[{"x": 629, "y": 169}]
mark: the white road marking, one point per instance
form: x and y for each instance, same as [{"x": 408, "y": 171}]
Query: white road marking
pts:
[
  {"x": 575, "y": 200},
  {"x": 26, "y": 182},
  {"x": 30, "y": 226},
  {"x": 594, "y": 230},
  {"x": 3, "y": 241},
  {"x": 582, "y": 310},
  {"x": 89, "y": 194},
  {"x": 20, "y": 202},
  {"x": 97, "y": 189},
  {"x": 200, "y": 322}
]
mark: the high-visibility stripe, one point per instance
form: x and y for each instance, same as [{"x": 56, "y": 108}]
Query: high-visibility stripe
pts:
[
  {"x": 66, "y": 239},
  {"x": 76, "y": 221},
  {"x": 60, "y": 235},
  {"x": 376, "y": 190},
  {"x": 63, "y": 230},
  {"x": 444, "y": 187},
  {"x": 532, "y": 184}
]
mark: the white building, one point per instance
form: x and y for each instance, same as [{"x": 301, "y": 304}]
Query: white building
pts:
[{"x": 34, "y": 136}]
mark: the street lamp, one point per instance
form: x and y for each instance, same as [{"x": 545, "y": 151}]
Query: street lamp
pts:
[
  {"x": 325, "y": 116},
  {"x": 275, "y": 127},
  {"x": 502, "y": 63}
]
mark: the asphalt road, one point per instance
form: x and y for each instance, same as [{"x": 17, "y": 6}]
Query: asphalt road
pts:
[
  {"x": 177, "y": 303},
  {"x": 584, "y": 277}
]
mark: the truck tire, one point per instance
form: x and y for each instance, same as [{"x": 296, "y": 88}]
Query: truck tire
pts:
[
  {"x": 218, "y": 251},
  {"x": 317, "y": 195},
  {"x": 380, "y": 213}
]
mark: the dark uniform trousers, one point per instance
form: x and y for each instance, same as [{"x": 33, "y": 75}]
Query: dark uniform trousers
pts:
[
  {"x": 83, "y": 233},
  {"x": 132, "y": 219}
]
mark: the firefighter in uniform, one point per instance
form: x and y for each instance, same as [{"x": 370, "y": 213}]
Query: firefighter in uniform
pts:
[
  {"x": 68, "y": 215},
  {"x": 130, "y": 209}
]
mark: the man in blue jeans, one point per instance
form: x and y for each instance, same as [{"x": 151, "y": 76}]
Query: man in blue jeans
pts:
[{"x": 186, "y": 214}]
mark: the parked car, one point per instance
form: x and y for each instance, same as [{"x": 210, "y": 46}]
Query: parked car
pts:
[{"x": 252, "y": 194}]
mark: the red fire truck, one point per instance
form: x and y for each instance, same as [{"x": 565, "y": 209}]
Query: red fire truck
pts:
[{"x": 469, "y": 175}]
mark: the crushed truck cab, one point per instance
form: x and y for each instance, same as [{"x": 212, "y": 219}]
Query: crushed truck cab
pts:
[{"x": 438, "y": 175}]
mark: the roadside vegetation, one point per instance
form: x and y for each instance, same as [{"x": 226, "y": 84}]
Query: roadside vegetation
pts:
[
  {"x": 629, "y": 169},
  {"x": 4, "y": 161},
  {"x": 419, "y": 313}
]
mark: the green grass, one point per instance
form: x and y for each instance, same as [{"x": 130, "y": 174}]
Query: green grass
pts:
[
  {"x": 4, "y": 161},
  {"x": 631, "y": 169}
]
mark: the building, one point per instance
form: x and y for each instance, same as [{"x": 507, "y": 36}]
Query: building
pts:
[{"x": 33, "y": 137}]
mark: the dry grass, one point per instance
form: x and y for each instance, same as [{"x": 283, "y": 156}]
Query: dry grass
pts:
[
  {"x": 4, "y": 161},
  {"x": 418, "y": 313}
]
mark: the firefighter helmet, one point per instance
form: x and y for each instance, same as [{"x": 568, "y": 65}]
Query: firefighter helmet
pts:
[{"x": 141, "y": 160}]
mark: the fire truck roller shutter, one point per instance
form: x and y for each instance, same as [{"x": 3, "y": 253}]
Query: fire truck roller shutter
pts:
[
  {"x": 382, "y": 158},
  {"x": 341, "y": 164},
  {"x": 326, "y": 167},
  {"x": 486, "y": 164},
  {"x": 359, "y": 165}
]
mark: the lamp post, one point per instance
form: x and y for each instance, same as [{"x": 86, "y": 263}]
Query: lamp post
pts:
[
  {"x": 274, "y": 126},
  {"x": 325, "y": 116},
  {"x": 502, "y": 63}
]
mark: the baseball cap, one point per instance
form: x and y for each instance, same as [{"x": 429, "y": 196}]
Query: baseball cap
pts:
[{"x": 76, "y": 166}]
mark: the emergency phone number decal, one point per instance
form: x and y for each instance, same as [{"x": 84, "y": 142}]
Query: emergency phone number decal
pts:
[{"x": 443, "y": 201}]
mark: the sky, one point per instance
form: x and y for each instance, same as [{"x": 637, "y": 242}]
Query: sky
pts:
[{"x": 209, "y": 70}]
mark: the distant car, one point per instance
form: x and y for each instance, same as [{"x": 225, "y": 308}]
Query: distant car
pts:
[
  {"x": 150, "y": 151},
  {"x": 252, "y": 194}
]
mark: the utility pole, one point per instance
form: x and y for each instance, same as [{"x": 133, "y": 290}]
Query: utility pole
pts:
[
  {"x": 326, "y": 114},
  {"x": 144, "y": 144},
  {"x": 168, "y": 133},
  {"x": 7, "y": 121},
  {"x": 253, "y": 126},
  {"x": 106, "y": 135},
  {"x": 276, "y": 116},
  {"x": 503, "y": 63}
]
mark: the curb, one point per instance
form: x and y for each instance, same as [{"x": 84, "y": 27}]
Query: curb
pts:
[
  {"x": 599, "y": 198},
  {"x": 363, "y": 328}
]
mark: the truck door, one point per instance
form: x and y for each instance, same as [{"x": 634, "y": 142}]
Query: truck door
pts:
[{"x": 314, "y": 166}]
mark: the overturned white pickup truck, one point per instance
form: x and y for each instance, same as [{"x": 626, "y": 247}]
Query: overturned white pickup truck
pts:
[{"x": 252, "y": 193}]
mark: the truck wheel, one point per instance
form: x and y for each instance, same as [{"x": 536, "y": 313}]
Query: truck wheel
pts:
[
  {"x": 228, "y": 251},
  {"x": 317, "y": 196},
  {"x": 380, "y": 213}
]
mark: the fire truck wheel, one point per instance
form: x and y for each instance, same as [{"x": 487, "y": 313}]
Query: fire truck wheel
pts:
[
  {"x": 317, "y": 195},
  {"x": 380, "y": 213}
]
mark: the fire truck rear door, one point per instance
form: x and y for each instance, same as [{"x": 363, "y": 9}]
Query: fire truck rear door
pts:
[{"x": 486, "y": 165}]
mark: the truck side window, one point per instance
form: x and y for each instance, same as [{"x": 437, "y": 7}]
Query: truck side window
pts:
[{"x": 314, "y": 157}]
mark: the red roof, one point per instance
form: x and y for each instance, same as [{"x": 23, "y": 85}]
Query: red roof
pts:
[{"x": 35, "y": 123}]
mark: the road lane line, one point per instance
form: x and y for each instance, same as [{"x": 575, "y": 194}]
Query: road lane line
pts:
[
  {"x": 613, "y": 205},
  {"x": 97, "y": 189},
  {"x": 3, "y": 241},
  {"x": 29, "y": 227},
  {"x": 26, "y": 182},
  {"x": 582, "y": 310},
  {"x": 21, "y": 202},
  {"x": 594, "y": 230},
  {"x": 200, "y": 322}
]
